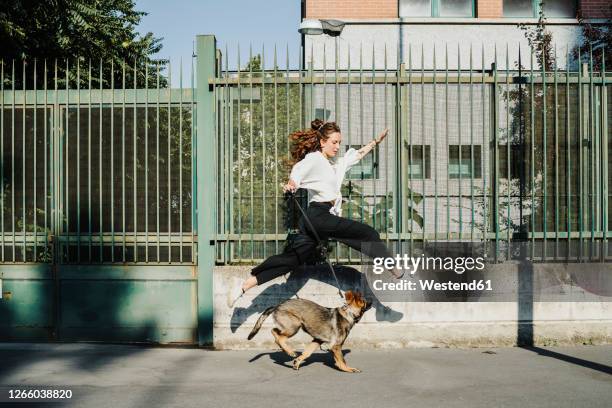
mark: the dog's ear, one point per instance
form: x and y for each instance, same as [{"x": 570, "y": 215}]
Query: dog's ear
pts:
[{"x": 348, "y": 296}]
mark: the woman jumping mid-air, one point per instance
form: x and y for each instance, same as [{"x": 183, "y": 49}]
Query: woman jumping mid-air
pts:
[{"x": 317, "y": 169}]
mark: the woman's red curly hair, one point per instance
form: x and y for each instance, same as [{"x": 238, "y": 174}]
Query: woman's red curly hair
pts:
[{"x": 309, "y": 140}]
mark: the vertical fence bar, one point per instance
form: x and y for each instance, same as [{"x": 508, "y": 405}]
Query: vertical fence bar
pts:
[
  {"x": 398, "y": 190},
  {"x": 134, "y": 172},
  {"x": 34, "y": 164},
  {"x": 472, "y": 181},
  {"x": 89, "y": 229},
  {"x": 55, "y": 170},
  {"x": 169, "y": 169},
  {"x": 410, "y": 143},
  {"x": 287, "y": 130},
  {"x": 508, "y": 156},
  {"x": 556, "y": 122},
  {"x": 238, "y": 156},
  {"x": 23, "y": 165},
  {"x": 485, "y": 145},
  {"x": 146, "y": 149},
  {"x": 459, "y": 138},
  {"x": 568, "y": 168},
  {"x": 349, "y": 129},
  {"x": 435, "y": 143},
  {"x": 361, "y": 123},
  {"x": 263, "y": 147},
  {"x": 580, "y": 157},
  {"x": 45, "y": 161},
  {"x": 532, "y": 178},
  {"x": 123, "y": 175},
  {"x": 336, "y": 112},
  {"x": 311, "y": 69},
  {"x": 350, "y": 136},
  {"x": 604, "y": 152},
  {"x": 251, "y": 166},
  {"x": 375, "y": 149},
  {"x": 78, "y": 160},
  {"x": 157, "y": 183},
  {"x": 496, "y": 152},
  {"x": 446, "y": 121},
  {"x": 66, "y": 183},
  {"x": 181, "y": 160},
  {"x": 13, "y": 162},
  {"x": 227, "y": 137},
  {"x": 544, "y": 158},
  {"x": 112, "y": 158},
  {"x": 592, "y": 149},
  {"x": 423, "y": 199},
  {"x": 193, "y": 146},
  {"x": 206, "y": 49},
  {"x": 275, "y": 87},
  {"x": 386, "y": 156},
  {"x": 101, "y": 160}
]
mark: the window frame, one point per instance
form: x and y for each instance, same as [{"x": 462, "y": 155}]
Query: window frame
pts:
[
  {"x": 426, "y": 153},
  {"x": 435, "y": 11},
  {"x": 535, "y": 10},
  {"x": 474, "y": 151}
]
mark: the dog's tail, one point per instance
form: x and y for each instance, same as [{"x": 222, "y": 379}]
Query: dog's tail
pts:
[{"x": 260, "y": 321}]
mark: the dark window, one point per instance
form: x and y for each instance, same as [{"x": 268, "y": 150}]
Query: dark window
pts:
[
  {"x": 416, "y": 165},
  {"x": 461, "y": 166},
  {"x": 560, "y": 8},
  {"x": 367, "y": 168},
  {"x": 515, "y": 160},
  {"x": 531, "y": 8}
]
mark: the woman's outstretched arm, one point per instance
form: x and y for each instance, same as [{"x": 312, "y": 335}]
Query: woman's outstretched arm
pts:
[{"x": 366, "y": 149}]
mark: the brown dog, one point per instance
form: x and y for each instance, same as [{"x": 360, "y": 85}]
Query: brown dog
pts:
[{"x": 328, "y": 327}]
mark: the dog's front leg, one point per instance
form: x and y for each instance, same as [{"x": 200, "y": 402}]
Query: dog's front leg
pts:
[
  {"x": 340, "y": 362},
  {"x": 307, "y": 352}
]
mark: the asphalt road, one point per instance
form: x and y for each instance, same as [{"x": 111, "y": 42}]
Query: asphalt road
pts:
[{"x": 135, "y": 376}]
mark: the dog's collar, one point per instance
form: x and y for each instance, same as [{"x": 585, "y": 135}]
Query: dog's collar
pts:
[{"x": 348, "y": 313}]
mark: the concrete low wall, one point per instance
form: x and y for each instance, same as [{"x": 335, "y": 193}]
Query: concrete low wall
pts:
[{"x": 410, "y": 324}]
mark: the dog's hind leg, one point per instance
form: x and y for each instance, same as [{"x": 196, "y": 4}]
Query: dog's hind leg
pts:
[
  {"x": 281, "y": 339},
  {"x": 310, "y": 348},
  {"x": 340, "y": 362}
]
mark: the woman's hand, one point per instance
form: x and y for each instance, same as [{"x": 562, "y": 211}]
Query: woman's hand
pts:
[
  {"x": 382, "y": 135},
  {"x": 290, "y": 186}
]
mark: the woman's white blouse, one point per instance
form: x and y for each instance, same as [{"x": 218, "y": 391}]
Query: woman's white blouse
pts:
[{"x": 322, "y": 177}]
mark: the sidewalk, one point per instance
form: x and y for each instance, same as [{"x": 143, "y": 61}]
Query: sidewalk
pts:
[{"x": 134, "y": 376}]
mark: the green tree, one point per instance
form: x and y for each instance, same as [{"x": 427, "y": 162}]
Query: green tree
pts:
[
  {"x": 71, "y": 30},
  {"x": 596, "y": 38}
]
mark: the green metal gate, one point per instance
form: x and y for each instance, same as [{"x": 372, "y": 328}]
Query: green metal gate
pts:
[{"x": 97, "y": 211}]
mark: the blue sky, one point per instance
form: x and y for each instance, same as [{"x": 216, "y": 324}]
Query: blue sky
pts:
[{"x": 231, "y": 21}]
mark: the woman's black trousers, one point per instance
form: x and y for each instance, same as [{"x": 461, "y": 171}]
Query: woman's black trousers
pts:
[{"x": 355, "y": 234}]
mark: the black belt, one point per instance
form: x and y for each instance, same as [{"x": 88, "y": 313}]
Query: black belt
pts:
[{"x": 332, "y": 203}]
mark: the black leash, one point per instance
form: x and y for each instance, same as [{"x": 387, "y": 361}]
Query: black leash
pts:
[{"x": 320, "y": 245}]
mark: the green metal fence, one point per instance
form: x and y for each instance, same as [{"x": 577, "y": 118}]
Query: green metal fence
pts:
[
  {"x": 481, "y": 154},
  {"x": 95, "y": 170}
]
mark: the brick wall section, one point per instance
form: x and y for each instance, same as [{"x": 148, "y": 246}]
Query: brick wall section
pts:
[
  {"x": 381, "y": 9},
  {"x": 357, "y": 9},
  {"x": 489, "y": 8},
  {"x": 596, "y": 8}
]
